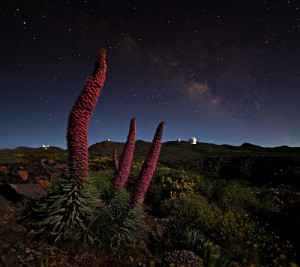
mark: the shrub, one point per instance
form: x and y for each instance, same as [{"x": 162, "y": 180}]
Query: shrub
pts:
[
  {"x": 171, "y": 183},
  {"x": 231, "y": 194},
  {"x": 240, "y": 238},
  {"x": 119, "y": 225},
  {"x": 238, "y": 196},
  {"x": 65, "y": 212},
  {"x": 100, "y": 164}
]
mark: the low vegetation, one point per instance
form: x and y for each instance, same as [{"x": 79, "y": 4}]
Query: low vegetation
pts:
[{"x": 223, "y": 222}]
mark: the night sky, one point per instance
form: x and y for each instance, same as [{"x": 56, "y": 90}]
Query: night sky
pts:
[{"x": 225, "y": 72}]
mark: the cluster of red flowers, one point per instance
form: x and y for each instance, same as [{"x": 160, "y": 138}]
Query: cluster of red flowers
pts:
[
  {"x": 126, "y": 158},
  {"x": 79, "y": 118},
  {"x": 149, "y": 166}
]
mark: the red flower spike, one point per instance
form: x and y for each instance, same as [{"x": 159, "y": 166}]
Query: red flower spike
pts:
[
  {"x": 126, "y": 158},
  {"x": 115, "y": 159},
  {"x": 79, "y": 118},
  {"x": 149, "y": 166}
]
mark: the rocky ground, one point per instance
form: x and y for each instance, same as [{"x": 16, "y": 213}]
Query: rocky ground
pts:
[
  {"x": 27, "y": 180},
  {"x": 20, "y": 183}
]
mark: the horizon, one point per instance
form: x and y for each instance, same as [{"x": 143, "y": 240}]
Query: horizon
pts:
[{"x": 181, "y": 140}]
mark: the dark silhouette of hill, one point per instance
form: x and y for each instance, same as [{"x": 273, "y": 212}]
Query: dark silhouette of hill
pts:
[
  {"x": 248, "y": 161},
  {"x": 105, "y": 148}
]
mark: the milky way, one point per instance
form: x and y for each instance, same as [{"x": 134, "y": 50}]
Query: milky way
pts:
[{"x": 222, "y": 72}]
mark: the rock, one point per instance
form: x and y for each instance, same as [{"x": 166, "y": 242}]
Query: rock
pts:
[
  {"x": 33, "y": 191},
  {"x": 44, "y": 183},
  {"x": 23, "y": 175},
  {"x": 46, "y": 169},
  {"x": 3, "y": 173},
  {"x": 47, "y": 162},
  {"x": 4, "y": 169},
  {"x": 9, "y": 193},
  {"x": 16, "y": 176},
  {"x": 182, "y": 257},
  {"x": 61, "y": 166}
]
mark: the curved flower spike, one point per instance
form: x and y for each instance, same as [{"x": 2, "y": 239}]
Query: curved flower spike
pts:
[
  {"x": 149, "y": 166},
  {"x": 126, "y": 158},
  {"x": 79, "y": 118}
]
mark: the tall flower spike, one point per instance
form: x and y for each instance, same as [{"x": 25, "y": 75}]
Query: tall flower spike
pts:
[
  {"x": 126, "y": 158},
  {"x": 79, "y": 118},
  {"x": 115, "y": 159},
  {"x": 149, "y": 166}
]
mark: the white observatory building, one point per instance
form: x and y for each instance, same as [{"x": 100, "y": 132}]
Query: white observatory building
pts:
[{"x": 193, "y": 141}]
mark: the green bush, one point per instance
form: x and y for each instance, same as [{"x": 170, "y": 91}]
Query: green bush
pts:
[
  {"x": 267, "y": 204},
  {"x": 103, "y": 182},
  {"x": 171, "y": 183},
  {"x": 237, "y": 196}
]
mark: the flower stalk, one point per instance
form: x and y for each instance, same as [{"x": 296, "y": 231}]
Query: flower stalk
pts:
[
  {"x": 79, "y": 118},
  {"x": 149, "y": 166},
  {"x": 126, "y": 158}
]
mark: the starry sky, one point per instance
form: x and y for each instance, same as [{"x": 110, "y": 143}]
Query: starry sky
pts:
[{"x": 225, "y": 72}]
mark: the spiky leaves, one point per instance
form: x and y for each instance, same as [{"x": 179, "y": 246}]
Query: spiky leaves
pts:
[
  {"x": 119, "y": 225},
  {"x": 64, "y": 213},
  {"x": 126, "y": 158},
  {"x": 79, "y": 118},
  {"x": 149, "y": 166}
]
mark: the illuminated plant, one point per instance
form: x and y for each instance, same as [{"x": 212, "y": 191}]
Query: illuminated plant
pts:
[
  {"x": 79, "y": 118},
  {"x": 121, "y": 221},
  {"x": 149, "y": 166},
  {"x": 64, "y": 212},
  {"x": 126, "y": 158}
]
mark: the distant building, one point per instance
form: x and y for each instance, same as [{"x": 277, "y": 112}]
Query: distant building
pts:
[
  {"x": 178, "y": 140},
  {"x": 45, "y": 147},
  {"x": 193, "y": 141},
  {"x": 108, "y": 140}
]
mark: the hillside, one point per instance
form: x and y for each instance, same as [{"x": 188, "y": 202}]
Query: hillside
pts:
[
  {"x": 278, "y": 164},
  {"x": 251, "y": 162}
]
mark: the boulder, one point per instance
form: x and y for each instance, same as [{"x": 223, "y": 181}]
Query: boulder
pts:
[
  {"x": 182, "y": 258},
  {"x": 23, "y": 174},
  {"x": 47, "y": 162},
  {"x": 44, "y": 183},
  {"x": 4, "y": 169},
  {"x": 33, "y": 191}
]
